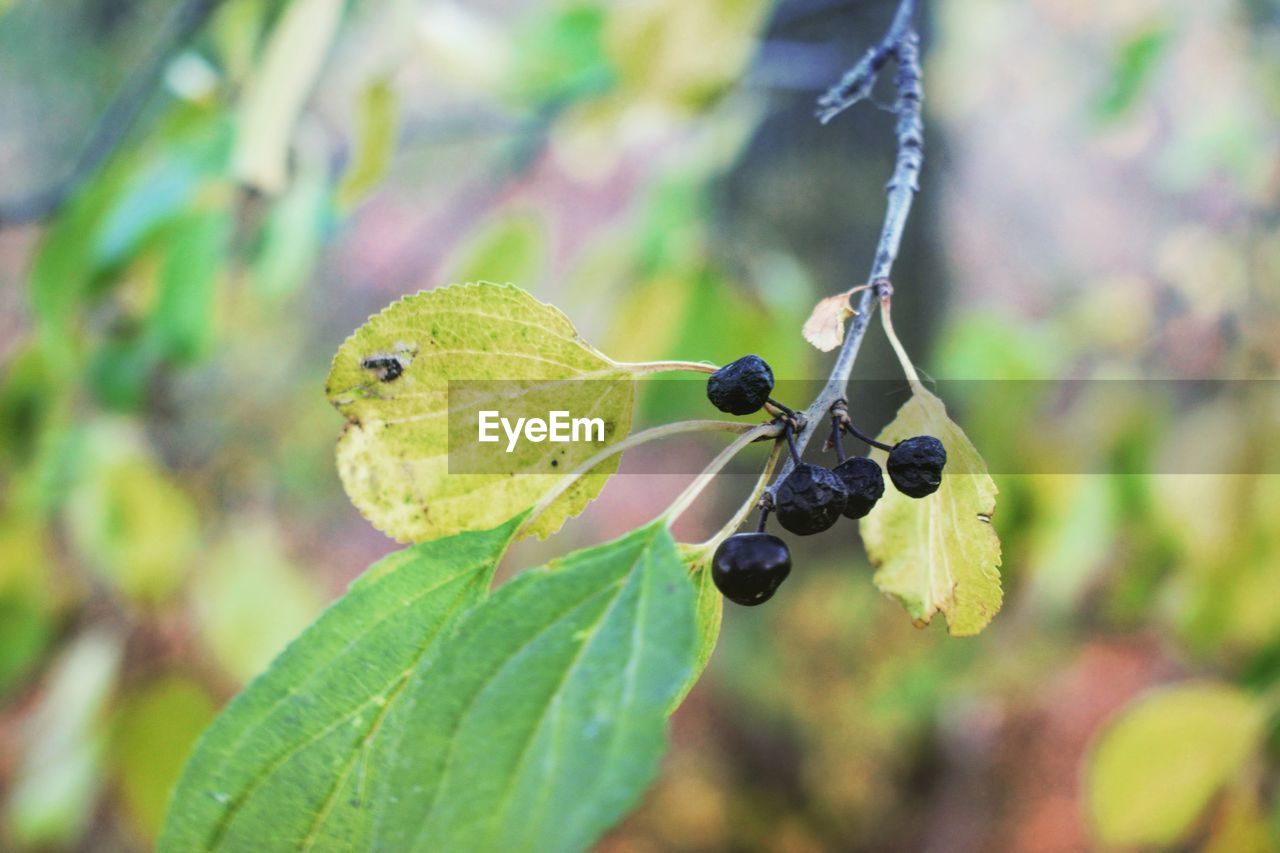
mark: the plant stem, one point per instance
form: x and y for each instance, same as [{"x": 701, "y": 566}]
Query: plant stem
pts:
[
  {"x": 643, "y": 368},
  {"x": 749, "y": 504},
  {"x": 903, "y": 44},
  {"x": 627, "y": 443},
  {"x": 690, "y": 494},
  {"x": 858, "y": 434},
  {"x": 837, "y": 438}
]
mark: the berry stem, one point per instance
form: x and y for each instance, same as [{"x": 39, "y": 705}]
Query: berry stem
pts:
[
  {"x": 786, "y": 410},
  {"x": 764, "y": 519},
  {"x": 749, "y": 504},
  {"x": 625, "y": 444},
  {"x": 644, "y": 368},
  {"x": 856, "y": 433},
  {"x": 690, "y": 494},
  {"x": 791, "y": 442},
  {"x": 837, "y": 438},
  {"x": 905, "y": 360}
]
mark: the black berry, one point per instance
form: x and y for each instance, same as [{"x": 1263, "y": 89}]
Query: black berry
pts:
[
  {"x": 809, "y": 500},
  {"x": 742, "y": 387},
  {"x": 863, "y": 481},
  {"x": 748, "y": 568},
  {"x": 915, "y": 465}
]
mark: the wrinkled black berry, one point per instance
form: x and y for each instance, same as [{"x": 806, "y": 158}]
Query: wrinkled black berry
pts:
[
  {"x": 748, "y": 568},
  {"x": 915, "y": 465},
  {"x": 863, "y": 481},
  {"x": 742, "y": 387},
  {"x": 809, "y": 500}
]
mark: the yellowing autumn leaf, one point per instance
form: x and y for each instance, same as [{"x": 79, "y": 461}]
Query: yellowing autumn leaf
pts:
[
  {"x": 825, "y": 326},
  {"x": 391, "y": 379},
  {"x": 939, "y": 553}
]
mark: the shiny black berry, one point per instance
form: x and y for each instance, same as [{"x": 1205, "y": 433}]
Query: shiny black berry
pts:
[
  {"x": 742, "y": 387},
  {"x": 863, "y": 481},
  {"x": 915, "y": 465},
  {"x": 809, "y": 500},
  {"x": 748, "y": 568}
]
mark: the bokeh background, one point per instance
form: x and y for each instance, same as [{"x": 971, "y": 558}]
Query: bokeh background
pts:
[{"x": 1101, "y": 199}]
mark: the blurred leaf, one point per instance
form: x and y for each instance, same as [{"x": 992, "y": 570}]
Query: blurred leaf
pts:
[
  {"x": 26, "y": 401},
  {"x": 543, "y": 718},
  {"x": 315, "y": 728},
  {"x": 377, "y": 131},
  {"x": 682, "y": 54},
  {"x": 1134, "y": 65},
  {"x": 26, "y": 608},
  {"x": 181, "y": 321},
  {"x": 939, "y": 553},
  {"x": 1241, "y": 827},
  {"x": 132, "y": 524},
  {"x": 64, "y": 272},
  {"x": 119, "y": 371},
  {"x": 155, "y": 729},
  {"x": 1158, "y": 762},
  {"x": 55, "y": 788},
  {"x": 293, "y": 233},
  {"x": 562, "y": 56},
  {"x": 393, "y": 453},
  {"x": 249, "y": 600},
  {"x": 278, "y": 90},
  {"x": 1074, "y": 535},
  {"x": 188, "y": 152},
  {"x": 511, "y": 249}
]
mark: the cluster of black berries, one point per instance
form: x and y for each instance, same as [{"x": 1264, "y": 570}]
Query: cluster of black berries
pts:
[{"x": 749, "y": 567}]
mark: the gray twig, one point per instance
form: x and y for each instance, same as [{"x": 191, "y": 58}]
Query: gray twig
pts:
[
  {"x": 111, "y": 129},
  {"x": 903, "y": 45},
  {"x": 858, "y": 81}
]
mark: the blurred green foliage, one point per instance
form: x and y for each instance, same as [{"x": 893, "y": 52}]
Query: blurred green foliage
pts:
[{"x": 169, "y": 512}]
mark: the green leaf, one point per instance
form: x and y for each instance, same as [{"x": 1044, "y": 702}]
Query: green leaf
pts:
[
  {"x": 379, "y": 126},
  {"x": 393, "y": 455},
  {"x": 278, "y": 90},
  {"x": 1161, "y": 759},
  {"x": 1135, "y": 63},
  {"x": 290, "y": 757},
  {"x": 543, "y": 719},
  {"x": 939, "y": 553},
  {"x": 155, "y": 730},
  {"x": 181, "y": 322},
  {"x": 708, "y": 612}
]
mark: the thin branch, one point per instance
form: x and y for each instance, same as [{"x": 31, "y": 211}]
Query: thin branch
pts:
[
  {"x": 114, "y": 125},
  {"x": 858, "y": 81},
  {"x": 903, "y": 45}
]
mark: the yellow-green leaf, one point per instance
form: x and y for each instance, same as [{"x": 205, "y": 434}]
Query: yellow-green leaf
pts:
[
  {"x": 1159, "y": 762},
  {"x": 379, "y": 124},
  {"x": 939, "y": 553},
  {"x": 154, "y": 731},
  {"x": 708, "y": 612},
  {"x": 393, "y": 455}
]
